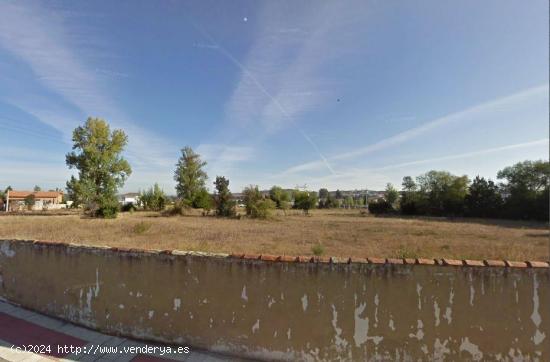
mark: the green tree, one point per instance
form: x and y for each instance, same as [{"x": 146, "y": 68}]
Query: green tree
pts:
[
  {"x": 305, "y": 200},
  {"x": 256, "y": 205},
  {"x": 323, "y": 193},
  {"x": 349, "y": 202},
  {"x": 190, "y": 177},
  {"x": 279, "y": 196},
  {"x": 251, "y": 195},
  {"x": 29, "y": 201},
  {"x": 442, "y": 193},
  {"x": 323, "y": 198},
  {"x": 330, "y": 202},
  {"x": 225, "y": 206},
  {"x": 97, "y": 155},
  {"x": 529, "y": 175},
  {"x": 37, "y": 188},
  {"x": 391, "y": 194},
  {"x": 410, "y": 197},
  {"x": 153, "y": 199},
  {"x": 408, "y": 184},
  {"x": 483, "y": 199},
  {"x": 204, "y": 201},
  {"x": 380, "y": 206},
  {"x": 526, "y": 190},
  {"x": 339, "y": 195},
  {"x": 3, "y": 197}
]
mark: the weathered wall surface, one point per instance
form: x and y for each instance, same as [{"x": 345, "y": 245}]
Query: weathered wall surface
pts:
[{"x": 287, "y": 309}]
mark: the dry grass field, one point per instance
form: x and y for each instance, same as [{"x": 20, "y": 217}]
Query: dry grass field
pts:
[{"x": 340, "y": 233}]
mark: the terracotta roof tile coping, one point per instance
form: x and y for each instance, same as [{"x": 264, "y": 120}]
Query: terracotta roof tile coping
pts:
[
  {"x": 499, "y": 263},
  {"x": 473, "y": 262},
  {"x": 537, "y": 264},
  {"x": 303, "y": 259}
]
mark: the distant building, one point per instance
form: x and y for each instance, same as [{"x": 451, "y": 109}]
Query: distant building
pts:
[
  {"x": 16, "y": 200},
  {"x": 129, "y": 198}
]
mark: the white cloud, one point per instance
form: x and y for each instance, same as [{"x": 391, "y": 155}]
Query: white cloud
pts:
[
  {"x": 40, "y": 38},
  {"x": 283, "y": 77},
  {"x": 413, "y": 133},
  {"x": 541, "y": 142},
  {"x": 224, "y": 153},
  {"x": 290, "y": 65},
  {"x": 222, "y": 159},
  {"x": 376, "y": 178},
  {"x": 24, "y": 175}
]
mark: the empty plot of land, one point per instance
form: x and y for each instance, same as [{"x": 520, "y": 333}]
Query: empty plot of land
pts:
[{"x": 340, "y": 233}]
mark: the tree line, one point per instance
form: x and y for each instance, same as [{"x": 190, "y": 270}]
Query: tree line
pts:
[
  {"x": 97, "y": 156},
  {"x": 523, "y": 193}
]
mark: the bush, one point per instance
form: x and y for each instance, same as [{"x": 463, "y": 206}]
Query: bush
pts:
[
  {"x": 380, "y": 207},
  {"x": 409, "y": 204},
  {"x": 279, "y": 196},
  {"x": 251, "y": 196},
  {"x": 305, "y": 200},
  {"x": 256, "y": 205},
  {"x": 29, "y": 202},
  {"x": 107, "y": 207},
  {"x": 153, "y": 199},
  {"x": 107, "y": 211},
  {"x": 129, "y": 207},
  {"x": 203, "y": 200},
  {"x": 318, "y": 250},
  {"x": 262, "y": 209},
  {"x": 224, "y": 205},
  {"x": 405, "y": 253},
  {"x": 180, "y": 208}
]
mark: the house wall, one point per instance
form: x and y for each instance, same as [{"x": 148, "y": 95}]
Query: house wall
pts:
[{"x": 284, "y": 309}]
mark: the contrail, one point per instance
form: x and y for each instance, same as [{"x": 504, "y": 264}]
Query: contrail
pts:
[{"x": 279, "y": 106}]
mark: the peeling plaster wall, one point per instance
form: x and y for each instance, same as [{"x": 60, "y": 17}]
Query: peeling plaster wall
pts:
[{"x": 287, "y": 310}]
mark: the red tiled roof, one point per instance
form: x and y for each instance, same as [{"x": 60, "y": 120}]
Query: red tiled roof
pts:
[{"x": 37, "y": 194}]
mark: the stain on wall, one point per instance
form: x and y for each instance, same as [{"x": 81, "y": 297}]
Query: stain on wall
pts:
[{"x": 282, "y": 309}]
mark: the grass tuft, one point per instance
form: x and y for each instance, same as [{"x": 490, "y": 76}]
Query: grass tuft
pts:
[
  {"x": 141, "y": 227},
  {"x": 317, "y": 249}
]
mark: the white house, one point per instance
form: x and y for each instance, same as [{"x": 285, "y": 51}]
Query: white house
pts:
[{"x": 129, "y": 198}]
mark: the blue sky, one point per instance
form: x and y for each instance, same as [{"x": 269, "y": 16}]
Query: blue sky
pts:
[{"x": 337, "y": 94}]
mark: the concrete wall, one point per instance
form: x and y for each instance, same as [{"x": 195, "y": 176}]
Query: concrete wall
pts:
[{"x": 286, "y": 309}]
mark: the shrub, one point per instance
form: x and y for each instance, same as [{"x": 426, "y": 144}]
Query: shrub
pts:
[
  {"x": 405, "y": 253},
  {"x": 262, "y": 209},
  {"x": 318, "y": 249},
  {"x": 256, "y": 205},
  {"x": 203, "y": 200},
  {"x": 285, "y": 205},
  {"x": 153, "y": 199},
  {"x": 279, "y": 196},
  {"x": 305, "y": 200},
  {"x": 180, "y": 208},
  {"x": 380, "y": 207},
  {"x": 29, "y": 201},
  {"x": 107, "y": 211},
  {"x": 107, "y": 207},
  {"x": 251, "y": 196},
  {"x": 409, "y": 204},
  {"x": 129, "y": 207}
]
